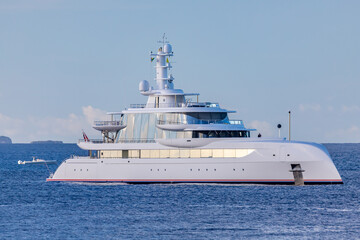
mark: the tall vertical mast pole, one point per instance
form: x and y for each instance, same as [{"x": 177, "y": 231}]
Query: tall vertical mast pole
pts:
[
  {"x": 163, "y": 80},
  {"x": 289, "y": 125}
]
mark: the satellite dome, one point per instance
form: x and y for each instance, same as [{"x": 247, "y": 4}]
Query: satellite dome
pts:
[
  {"x": 167, "y": 48},
  {"x": 144, "y": 86}
]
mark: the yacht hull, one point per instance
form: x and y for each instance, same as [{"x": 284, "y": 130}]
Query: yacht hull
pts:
[{"x": 270, "y": 163}]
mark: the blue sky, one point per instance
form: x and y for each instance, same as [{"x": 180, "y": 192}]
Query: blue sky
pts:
[{"x": 64, "y": 64}]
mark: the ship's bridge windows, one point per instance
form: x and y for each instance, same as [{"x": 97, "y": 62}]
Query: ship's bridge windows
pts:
[{"x": 206, "y": 117}]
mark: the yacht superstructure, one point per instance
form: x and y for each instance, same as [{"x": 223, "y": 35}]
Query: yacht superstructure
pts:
[{"x": 174, "y": 138}]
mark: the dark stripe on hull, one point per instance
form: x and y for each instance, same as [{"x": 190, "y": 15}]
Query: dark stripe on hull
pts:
[{"x": 270, "y": 182}]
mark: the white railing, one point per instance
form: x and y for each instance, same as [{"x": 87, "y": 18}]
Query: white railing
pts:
[
  {"x": 180, "y": 105},
  {"x": 108, "y": 123},
  {"x": 142, "y": 105},
  {"x": 136, "y": 140},
  {"x": 162, "y": 122}
]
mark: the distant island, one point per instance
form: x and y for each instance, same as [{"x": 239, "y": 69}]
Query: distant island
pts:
[
  {"x": 46, "y": 142},
  {"x": 5, "y": 140}
]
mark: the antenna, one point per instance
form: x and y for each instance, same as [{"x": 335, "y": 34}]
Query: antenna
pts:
[{"x": 164, "y": 40}]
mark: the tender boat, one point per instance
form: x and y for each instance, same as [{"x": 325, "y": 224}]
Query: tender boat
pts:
[
  {"x": 37, "y": 161},
  {"x": 175, "y": 138}
]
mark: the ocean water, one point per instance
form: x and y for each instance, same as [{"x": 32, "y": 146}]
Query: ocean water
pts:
[{"x": 31, "y": 208}]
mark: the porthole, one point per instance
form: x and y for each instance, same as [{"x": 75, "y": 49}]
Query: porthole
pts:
[
  {"x": 158, "y": 169},
  {"x": 288, "y": 155},
  {"x": 190, "y": 169},
  {"x": 165, "y": 170},
  {"x": 214, "y": 169},
  {"x": 274, "y": 154},
  {"x": 199, "y": 169},
  {"x": 80, "y": 170},
  {"x": 74, "y": 170},
  {"x": 150, "y": 169},
  {"x": 207, "y": 169},
  {"x": 233, "y": 169},
  {"x": 243, "y": 169},
  {"x": 87, "y": 170}
]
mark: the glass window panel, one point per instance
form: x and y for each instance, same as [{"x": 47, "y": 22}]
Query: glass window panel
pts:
[
  {"x": 145, "y": 153},
  {"x": 164, "y": 153},
  {"x": 195, "y": 153},
  {"x": 174, "y": 153},
  {"x": 154, "y": 153},
  {"x": 229, "y": 153},
  {"x": 218, "y": 153},
  {"x": 188, "y": 134},
  {"x": 113, "y": 153},
  {"x": 184, "y": 153},
  {"x": 137, "y": 125},
  {"x": 152, "y": 126},
  {"x": 144, "y": 126},
  {"x": 241, "y": 153},
  {"x": 134, "y": 153},
  {"x": 125, "y": 153},
  {"x": 206, "y": 153},
  {"x": 106, "y": 154}
]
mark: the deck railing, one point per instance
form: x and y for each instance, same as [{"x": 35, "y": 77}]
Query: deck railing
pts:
[
  {"x": 142, "y": 105},
  {"x": 235, "y": 122},
  {"x": 108, "y": 123},
  {"x": 180, "y": 105},
  {"x": 139, "y": 140}
]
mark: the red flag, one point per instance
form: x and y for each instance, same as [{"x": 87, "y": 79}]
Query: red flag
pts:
[{"x": 85, "y": 137}]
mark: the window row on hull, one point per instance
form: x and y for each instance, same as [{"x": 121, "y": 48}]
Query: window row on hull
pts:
[{"x": 176, "y": 153}]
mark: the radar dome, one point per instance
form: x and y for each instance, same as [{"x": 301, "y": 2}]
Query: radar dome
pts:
[
  {"x": 144, "y": 86},
  {"x": 167, "y": 48}
]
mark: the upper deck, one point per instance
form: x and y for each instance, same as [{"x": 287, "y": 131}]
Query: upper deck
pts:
[{"x": 170, "y": 113}]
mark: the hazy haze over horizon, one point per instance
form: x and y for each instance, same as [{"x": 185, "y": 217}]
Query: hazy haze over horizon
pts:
[{"x": 64, "y": 64}]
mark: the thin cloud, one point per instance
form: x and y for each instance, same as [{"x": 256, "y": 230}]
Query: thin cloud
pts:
[
  {"x": 93, "y": 114},
  {"x": 350, "y": 109},
  {"x": 309, "y": 107}
]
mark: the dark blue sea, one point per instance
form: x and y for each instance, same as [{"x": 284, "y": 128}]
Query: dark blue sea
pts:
[{"x": 31, "y": 208}]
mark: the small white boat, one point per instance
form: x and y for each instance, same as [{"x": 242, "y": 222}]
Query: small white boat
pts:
[{"x": 37, "y": 161}]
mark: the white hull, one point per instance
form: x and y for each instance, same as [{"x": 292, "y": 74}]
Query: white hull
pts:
[{"x": 261, "y": 166}]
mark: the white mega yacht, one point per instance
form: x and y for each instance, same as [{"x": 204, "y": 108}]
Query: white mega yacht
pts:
[{"x": 174, "y": 138}]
